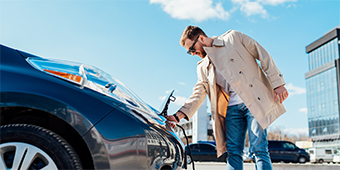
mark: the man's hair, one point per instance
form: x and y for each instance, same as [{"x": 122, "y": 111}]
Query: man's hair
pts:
[{"x": 191, "y": 32}]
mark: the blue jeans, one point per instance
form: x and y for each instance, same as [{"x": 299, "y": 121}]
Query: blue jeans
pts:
[{"x": 238, "y": 121}]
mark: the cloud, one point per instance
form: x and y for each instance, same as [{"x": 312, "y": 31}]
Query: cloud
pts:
[
  {"x": 303, "y": 110},
  {"x": 275, "y": 2},
  {"x": 253, "y": 8},
  {"x": 180, "y": 100},
  {"x": 201, "y": 10},
  {"x": 257, "y": 7},
  {"x": 168, "y": 91},
  {"x": 162, "y": 98},
  {"x": 293, "y": 90},
  {"x": 197, "y": 10},
  {"x": 288, "y": 131},
  {"x": 291, "y": 6},
  {"x": 296, "y": 131},
  {"x": 182, "y": 83}
]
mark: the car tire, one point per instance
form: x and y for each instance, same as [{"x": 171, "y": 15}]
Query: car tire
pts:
[
  {"x": 321, "y": 161},
  {"x": 25, "y": 146},
  {"x": 188, "y": 159},
  {"x": 302, "y": 159}
]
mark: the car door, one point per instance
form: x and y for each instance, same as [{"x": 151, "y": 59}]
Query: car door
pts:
[
  {"x": 289, "y": 152},
  {"x": 329, "y": 155},
  {"x": 274, "y": 149},
  {"x": 195, "y": 152},
  {"x": 208, "y": 152}
]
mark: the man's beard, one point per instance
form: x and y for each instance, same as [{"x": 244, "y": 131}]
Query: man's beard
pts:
[{"x": 204, "y": 53}]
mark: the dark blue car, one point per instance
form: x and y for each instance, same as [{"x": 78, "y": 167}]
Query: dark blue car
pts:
[
  {"x": 204, "y": 152},
  {"x": 66, "y": 115},
  {"x": 285, "y": 151}
]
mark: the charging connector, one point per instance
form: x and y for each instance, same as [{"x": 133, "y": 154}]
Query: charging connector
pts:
[{"x": 193, "y": 164}]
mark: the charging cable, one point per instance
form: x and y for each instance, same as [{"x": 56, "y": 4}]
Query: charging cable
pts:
[{"x": 192, "y": 161}]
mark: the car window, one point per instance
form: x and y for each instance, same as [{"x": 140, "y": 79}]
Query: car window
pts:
[
  {"x": 328, "y": 151},
  {"x": 206, "y": 147},
  {"x": 194, "y": 146},
  {"x": 311, "y": 152},
  {"x": 288, "y": 146},
  {"x": 274, "y": 145}
]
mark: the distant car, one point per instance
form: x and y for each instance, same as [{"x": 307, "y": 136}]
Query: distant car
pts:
[
  {"x": 211, "y": 142},
  {"x": 247, "y": 157},
  {"x": 204, "y": 152},
  {"x": 66, "y": 115},
  {"x": 336, "y": 158},
  {"x": 321, "y": 155},
  {"x": 285, "y": 151}
]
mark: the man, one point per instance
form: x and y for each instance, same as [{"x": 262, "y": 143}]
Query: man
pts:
[{"x": 243, "y": 95}]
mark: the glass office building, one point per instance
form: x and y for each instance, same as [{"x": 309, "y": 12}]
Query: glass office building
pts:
[{"x": 323, "y": 93}]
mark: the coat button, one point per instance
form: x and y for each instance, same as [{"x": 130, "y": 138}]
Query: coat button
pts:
[
  {"x": 280, "y": 75},
  {"x": 250, "y": 85},
  {"x": 240, "y": 72},
  {"x": 232, "y": 59},
  {"x": 258, "y": 98}
]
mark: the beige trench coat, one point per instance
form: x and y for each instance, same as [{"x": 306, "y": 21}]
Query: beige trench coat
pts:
[{"x": 234, "y": 55}]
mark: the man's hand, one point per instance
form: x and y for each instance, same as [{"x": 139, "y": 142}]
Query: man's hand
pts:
[
  {"x": 172, "y": 118},
  {"x": 280, "y": 92}
]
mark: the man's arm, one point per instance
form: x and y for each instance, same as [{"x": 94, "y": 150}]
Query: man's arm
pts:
[
  {"x": 267, "y": 64},
  {"x": 192, "y": 104}
]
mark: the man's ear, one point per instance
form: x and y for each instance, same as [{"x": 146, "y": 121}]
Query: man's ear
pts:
[{"x": 202, "y": 38}]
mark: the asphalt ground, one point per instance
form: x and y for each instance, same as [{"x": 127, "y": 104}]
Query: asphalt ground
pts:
[{"x": 276, "y": 166}]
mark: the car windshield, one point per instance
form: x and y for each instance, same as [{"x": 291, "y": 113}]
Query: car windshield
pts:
[{"x": 92, "y": 78}]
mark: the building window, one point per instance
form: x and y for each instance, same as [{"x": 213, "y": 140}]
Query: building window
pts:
[
  {"x": 313, "y": 131},
  {"x": 322, "y": 85},
  {"x": 324, "y": 130},
  {"x": 311, "y": 88}
]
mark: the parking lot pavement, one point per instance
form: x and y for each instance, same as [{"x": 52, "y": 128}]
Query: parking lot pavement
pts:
[
  {"x": 307, "y": 166},
  {"x": 276, "y": 166}
]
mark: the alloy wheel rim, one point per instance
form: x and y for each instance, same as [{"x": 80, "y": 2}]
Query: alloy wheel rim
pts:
[
  {"x": 302, "y": 159},
  {"x": 188, "y": 159},
  {"x": 18, "y": 155}
]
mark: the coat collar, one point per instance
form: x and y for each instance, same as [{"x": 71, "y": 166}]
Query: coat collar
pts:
[
  {"x": 205, "y": 62},
  {"x": 218, "y": 42}
]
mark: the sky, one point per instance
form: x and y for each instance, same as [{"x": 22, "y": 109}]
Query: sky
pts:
[{"x": 137, "y": 41}]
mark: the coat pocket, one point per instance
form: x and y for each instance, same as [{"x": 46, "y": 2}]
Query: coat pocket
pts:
[{"x": 263, "y": 96}]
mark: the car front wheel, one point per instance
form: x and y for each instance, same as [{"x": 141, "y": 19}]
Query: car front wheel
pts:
[
  {"x": 25, "y": 146},
  {"x": 302, "y": 159},
  {"x": 321, "y": 161},
  {"x": 188, "y": 159}
]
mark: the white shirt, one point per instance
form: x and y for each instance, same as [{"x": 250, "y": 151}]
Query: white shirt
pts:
[{"x": 234, "y": 99}]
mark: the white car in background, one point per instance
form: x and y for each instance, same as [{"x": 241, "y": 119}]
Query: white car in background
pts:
[
  {"x": 336, "y": 158},
  {"x": 321, "y": 155}
]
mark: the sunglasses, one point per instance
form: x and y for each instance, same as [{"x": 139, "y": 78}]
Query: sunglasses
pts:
[{"x": 192, "y": 49}]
